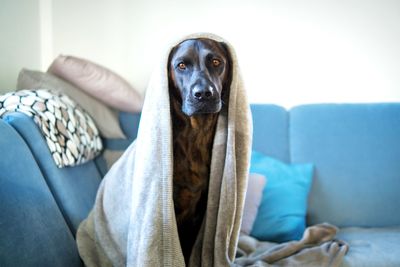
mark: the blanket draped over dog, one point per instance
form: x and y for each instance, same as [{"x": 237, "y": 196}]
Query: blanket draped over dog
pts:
[{"x": 133, "y": 220}]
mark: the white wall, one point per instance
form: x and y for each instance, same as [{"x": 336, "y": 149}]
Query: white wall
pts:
[
  {"x": 291, "y": 52},
  {"x": 95, "y": 29},
  {"x": 19, "y": 39}
]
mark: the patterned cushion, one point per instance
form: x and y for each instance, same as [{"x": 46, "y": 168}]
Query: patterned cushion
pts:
[
  {"x": 70, "y": 132},
  {"x": 106, "y": 118}
]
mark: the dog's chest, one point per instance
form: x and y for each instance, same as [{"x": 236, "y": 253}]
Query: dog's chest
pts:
[{"x": 193, "y": 142}]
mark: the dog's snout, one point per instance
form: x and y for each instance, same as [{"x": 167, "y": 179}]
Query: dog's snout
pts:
[{"x": 202, "y": 92}]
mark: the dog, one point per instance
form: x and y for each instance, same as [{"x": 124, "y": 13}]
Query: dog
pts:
[{"x": 199, "y": 79}]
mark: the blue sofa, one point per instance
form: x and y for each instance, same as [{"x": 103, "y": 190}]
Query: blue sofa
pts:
[{"x": 355, "y": 149}]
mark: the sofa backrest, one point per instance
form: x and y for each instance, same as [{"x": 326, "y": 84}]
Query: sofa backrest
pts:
[
  {"x": 129, "y": 123},
  {"x": 270, "y": 130},
  {"x": 356, "y": 152},
  {"x": 33, "y": 231}
]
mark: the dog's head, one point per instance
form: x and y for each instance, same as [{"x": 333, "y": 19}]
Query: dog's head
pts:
[{"x": 199, "y": 75}]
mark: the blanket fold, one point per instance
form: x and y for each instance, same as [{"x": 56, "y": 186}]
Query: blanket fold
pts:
[
  {"x": 133, "y": 220},
  {"x": 317, "y": 248}
]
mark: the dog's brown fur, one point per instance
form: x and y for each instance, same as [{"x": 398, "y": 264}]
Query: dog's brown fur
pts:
[
  {"x": 192, "y": 146},
  {"x": 192, "y": 140}
]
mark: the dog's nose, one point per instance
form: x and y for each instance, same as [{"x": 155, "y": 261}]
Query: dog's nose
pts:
[{"x": 202, "y": 92}]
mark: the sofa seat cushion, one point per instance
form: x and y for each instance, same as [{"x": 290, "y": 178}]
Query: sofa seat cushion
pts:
[{"x": 371, "y": 247}]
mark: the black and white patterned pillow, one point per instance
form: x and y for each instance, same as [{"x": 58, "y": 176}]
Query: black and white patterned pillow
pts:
[{"x": 69, "y": 131}]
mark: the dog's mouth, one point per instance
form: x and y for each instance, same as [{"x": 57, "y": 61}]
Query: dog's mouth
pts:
[{"x": 194, "y": 107}]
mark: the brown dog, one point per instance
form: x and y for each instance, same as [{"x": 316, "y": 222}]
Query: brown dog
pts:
[{"x": 199, "y": 81}]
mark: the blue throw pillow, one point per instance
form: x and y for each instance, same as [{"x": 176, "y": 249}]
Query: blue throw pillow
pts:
[{"x": 281, "y": 214}]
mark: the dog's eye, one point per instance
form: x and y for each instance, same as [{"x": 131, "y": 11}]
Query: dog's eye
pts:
[
  {"x": 216, "y": 62},
  {"x": 182, "y": 66}
]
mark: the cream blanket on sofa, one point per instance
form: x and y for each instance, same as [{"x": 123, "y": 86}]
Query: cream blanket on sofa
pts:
[
  {"x": 317, "y": 248},
  {"x": 133, "y": 221}
]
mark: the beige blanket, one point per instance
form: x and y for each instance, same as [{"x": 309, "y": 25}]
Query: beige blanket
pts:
[
  {"x": 317, "y": 248},
  {"x": 133, "y": 221}
]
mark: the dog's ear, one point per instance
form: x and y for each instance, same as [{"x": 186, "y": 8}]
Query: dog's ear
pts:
[
  {"x": 171, "y": 54},
  {"x": 228, "y": 74},
  {"x": 173, "y": 90}
]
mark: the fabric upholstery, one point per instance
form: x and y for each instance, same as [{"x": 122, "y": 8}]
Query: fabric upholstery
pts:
[
  {"x": 356, "y": 151},
  {"x": 281, "y": 216},
  {"x": 32, "y": 229},
  {"x": 114, "y": 148},
  {"x": 74, "y": 188},
  {"x": 270, "y": 135},
  {"x": 255, "y": 188},
  {"x": 70, "y": 133},
  {"x": 129, "y": 123},
  {"x": 371, "y": 247},
  {"x": 98, "y": 81},
  {"x": 106, "y": 118},
  {"x": 111, "y": 156}
]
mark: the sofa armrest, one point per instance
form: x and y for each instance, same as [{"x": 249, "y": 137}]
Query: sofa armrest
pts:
[
  {"x": 74, "y": 188},
  {"x": 33, "y": 231}
]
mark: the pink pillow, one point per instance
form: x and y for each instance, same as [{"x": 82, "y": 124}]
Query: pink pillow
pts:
[
  {"x": 97, "y": 81},
  {"x": 253, "y": 199}
]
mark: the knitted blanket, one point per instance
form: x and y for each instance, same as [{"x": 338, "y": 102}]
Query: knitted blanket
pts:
[
  {"x": 133, "y": 221},
  {"x": 317, "y": 248}
]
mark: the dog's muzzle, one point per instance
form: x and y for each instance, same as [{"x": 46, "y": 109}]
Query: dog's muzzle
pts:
[{"x": 203, "y": 98}]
